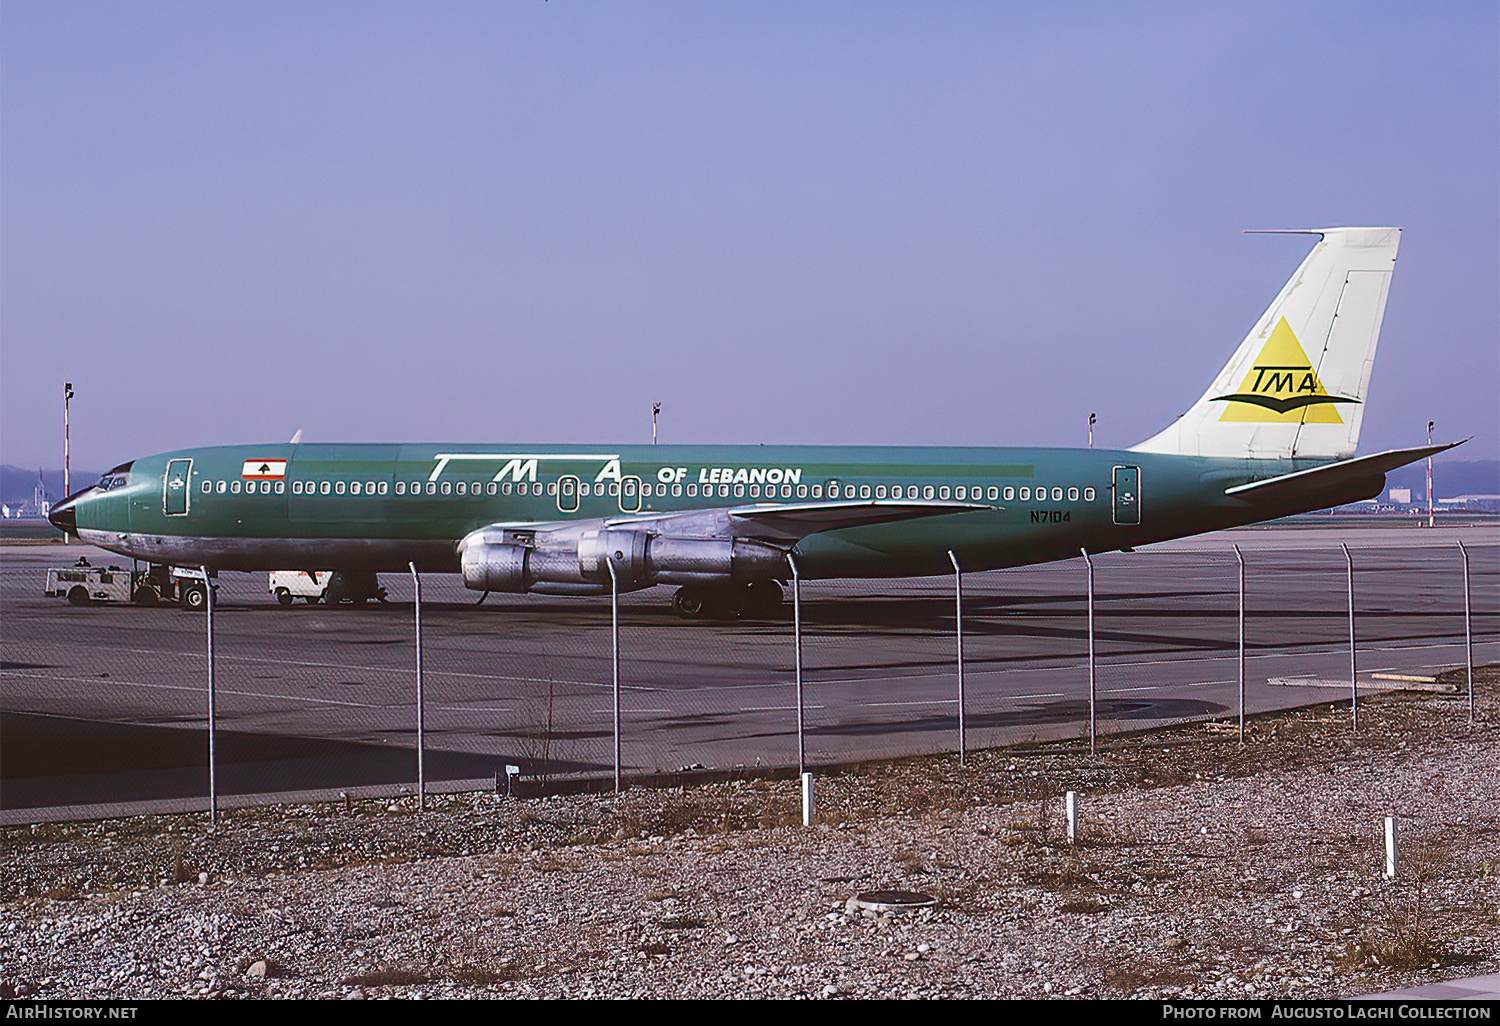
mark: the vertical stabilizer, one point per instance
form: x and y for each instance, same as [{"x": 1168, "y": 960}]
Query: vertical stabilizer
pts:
[{"x": 1297, "y": 384}]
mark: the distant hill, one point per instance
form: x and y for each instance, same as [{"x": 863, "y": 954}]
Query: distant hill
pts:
[{"x": 18, "y": 483}]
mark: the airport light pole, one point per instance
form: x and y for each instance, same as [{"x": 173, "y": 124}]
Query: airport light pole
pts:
[
  {"x": 1092, "y": 419},
  {"x": 67, "y": 440},
  {"x": 655, "y": 409},
  {"x": 1430, "y": 521}
]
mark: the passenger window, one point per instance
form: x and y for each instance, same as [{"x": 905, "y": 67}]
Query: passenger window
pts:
[
  {"x": 400, "y": 487},
  {"x": 381, "y": 488},
  {"x": 755, "y": 491},
  {"x": 552, "y": 488},
  {"x": 221, "y": 487},
  {"x": 960, "y": 492},
  {"x": 994, "y": 493},
  {"x": 353, "y": 487},
  {"x": 1009, "y": 493},
  {"x": 234, "y": 487},
  {"x": 208, "y": 486},
  {"x": 1072, "y": 494},
  {"x": 505, "y": 488},
  {"x": 1025, "y": 494},
  {"x": 265, "y": 488},
  {"x": 927, "y": 492},
  {"x": 339, "y": 487},
  {"x": 723, "y": 491},
  {"x": 296, "y": 488},
  {"x": 739, "y": 491},
  {"x": 1057, "y": 493},
  {"x": 463, "y": 487},
  {"x": 1088, "y": 495},
  {"x": 943, "y": 492},
  {"x": 431, "y": 487},
  {"x": 692, "y": 491},
  {"x": 325, "y": 488},
  {"x": 802, "y": 491},
  {"x": 447, "y": 488},
  {"x": 880, "y": 491},
  {"x": 817, "y": 491}
]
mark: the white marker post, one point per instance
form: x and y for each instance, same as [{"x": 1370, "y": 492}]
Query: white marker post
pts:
[
  {"x": 807, "y": 799},
  {"x": 1070, "y": 814},
  {"x": 1390, "y": 848}
]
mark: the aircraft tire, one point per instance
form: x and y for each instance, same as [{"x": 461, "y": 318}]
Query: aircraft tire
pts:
[
  {"x": 690, "y": 603},
  {"x": 759, "y": 600},
  {"x": 78, "y": 595}
]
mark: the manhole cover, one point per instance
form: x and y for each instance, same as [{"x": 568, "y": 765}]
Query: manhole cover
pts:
[{"x": 893, "y": 901}]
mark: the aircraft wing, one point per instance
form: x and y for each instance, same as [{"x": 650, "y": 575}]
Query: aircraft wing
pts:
[
  {"x": 778, "y": 524},
  {"x": 791, "y": 521},
  {"x": 1331, "y": 475}
]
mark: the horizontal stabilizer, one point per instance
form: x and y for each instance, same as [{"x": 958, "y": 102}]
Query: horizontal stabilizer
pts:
[{"x": 1332, "y": 475}]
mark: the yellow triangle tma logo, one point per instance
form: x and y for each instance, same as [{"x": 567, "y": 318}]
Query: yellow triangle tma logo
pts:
[{"x": 1282, "y": 386}]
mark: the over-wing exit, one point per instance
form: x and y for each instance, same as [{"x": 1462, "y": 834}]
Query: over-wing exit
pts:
[{"x": 1273, "y": 435}]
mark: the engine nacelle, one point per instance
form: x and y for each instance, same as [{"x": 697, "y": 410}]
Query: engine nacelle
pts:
[{"x": 577, "y": 560}]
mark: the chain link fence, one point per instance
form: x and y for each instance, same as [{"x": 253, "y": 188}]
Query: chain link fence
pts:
[{"x": 108, "y": 703}]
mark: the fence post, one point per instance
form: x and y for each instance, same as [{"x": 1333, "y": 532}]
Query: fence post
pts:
[
  {"x": 1468, "y": 632},
  {"x": 1353, "y": 678},
  {"x": 1239, "y": 558},
  {"x": 1089, "y": 563},
  {"x": 614, "y": 620},
  {"x": 213, "y": 783},
  {"x": 797, "y": 650},
  {"x": 958, "y": 619},
  {"x": 416, "y": 582}
]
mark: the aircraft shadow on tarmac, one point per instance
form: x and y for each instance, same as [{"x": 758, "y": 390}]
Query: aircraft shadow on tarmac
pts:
[{"x": 53, "y": 760}]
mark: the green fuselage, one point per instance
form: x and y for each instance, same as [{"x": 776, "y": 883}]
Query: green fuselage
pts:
[{"x": 377, "y": 507}]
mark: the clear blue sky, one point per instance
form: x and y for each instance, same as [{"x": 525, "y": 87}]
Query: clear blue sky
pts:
[{"x": 788, "y": 222}]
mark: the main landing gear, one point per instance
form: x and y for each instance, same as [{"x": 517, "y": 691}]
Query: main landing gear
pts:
[{"x": 750, "y": 600}]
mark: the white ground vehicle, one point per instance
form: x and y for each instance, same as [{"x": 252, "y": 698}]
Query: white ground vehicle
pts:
[
  {"x": 309, "y": 585},
  {"x": 330, "y": 586},
  {"x": 84, "y": 585}
]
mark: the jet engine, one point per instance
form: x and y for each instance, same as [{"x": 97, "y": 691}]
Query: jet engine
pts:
[{"x": 575, "y": 559}]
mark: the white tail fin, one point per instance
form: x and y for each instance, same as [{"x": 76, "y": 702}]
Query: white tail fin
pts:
[{"x": 1297, "y": 384}]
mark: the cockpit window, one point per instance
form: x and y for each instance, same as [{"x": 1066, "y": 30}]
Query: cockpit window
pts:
[{"x": 119, "y": 477}]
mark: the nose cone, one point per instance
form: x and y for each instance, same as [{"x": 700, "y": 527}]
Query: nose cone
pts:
[{"x": 64, "y": 515}]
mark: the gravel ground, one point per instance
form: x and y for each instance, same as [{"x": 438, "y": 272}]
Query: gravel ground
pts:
[{"x": 1205, "y": 870}]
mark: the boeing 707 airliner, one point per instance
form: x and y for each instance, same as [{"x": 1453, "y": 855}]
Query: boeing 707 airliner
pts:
[{"x": 1274, "y": 434}]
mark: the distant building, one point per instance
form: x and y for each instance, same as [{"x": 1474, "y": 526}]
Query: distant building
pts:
[{"x": 1401, "y": 496}]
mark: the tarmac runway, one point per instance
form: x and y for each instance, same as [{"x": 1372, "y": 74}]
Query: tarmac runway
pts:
[{"x": 104, "y": 707}]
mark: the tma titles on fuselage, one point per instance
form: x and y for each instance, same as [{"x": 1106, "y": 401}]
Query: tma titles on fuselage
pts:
[{"x": 1274, "y": 434}]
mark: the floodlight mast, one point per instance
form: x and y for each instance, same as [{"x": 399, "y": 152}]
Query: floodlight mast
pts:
[{"x": 67, "y": 440}]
